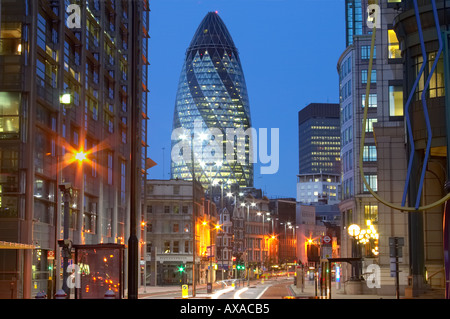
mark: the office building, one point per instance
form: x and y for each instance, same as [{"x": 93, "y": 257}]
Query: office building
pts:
[
  {"x": 383, "y": 158},
  {"x": 319, "y": 139},
  {"x": 320, "y": 187},
  {"x": 211, "y": 105},
  {"x": 170, "y": 222},
  {"x": 427, "y": 235},
  {"x": 66, "y": 103}
]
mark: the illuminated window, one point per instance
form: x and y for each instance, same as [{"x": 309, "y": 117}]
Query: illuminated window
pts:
[
  {"x": 393, "y": 46},
  {"x": 395, "y": 100},
  {"x": 437, "y": 84},
  {"x": 372, "y": 180},
  {"x": 369, "y": 124},
  {"x": 10, "y": 38},
  {"x": 372, "y": 100},
  {"x": 9, "y": 114},
  {"x": 371, "y": 212},
  {"x": 370, "y": 153}
]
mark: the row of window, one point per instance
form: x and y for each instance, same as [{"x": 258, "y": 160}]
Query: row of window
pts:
[{"x": 167, "y": 209}]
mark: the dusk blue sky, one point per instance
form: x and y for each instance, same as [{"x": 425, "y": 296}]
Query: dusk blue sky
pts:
[{"x": 289, "y": 51}]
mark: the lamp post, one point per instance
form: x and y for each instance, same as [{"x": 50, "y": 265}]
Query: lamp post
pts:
[
  {"x": 354, "y": 230},
  {"x": 216, "y": 227},
  {"x": 247, "y": 248},
  {"x": 66, "y": 189}
]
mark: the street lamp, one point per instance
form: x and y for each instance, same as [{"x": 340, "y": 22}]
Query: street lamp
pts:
[
  {"x": 354, "y": 231},
  {"x": 65, "y": 98}
]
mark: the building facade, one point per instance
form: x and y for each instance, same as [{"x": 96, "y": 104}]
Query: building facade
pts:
[
  {"x": 427, "y": 235},
  {"x": 320, "y": 187},
  {"x": 212, "y": 124},
  {"x": 66, "y": 89},
  {"x": 171, "y": 225},
  {"x": 319, "y": 139},
  {"x": 285, "y": 231},
  {"x": 251, "y": 223},
  {"x": 383, "y": 135}
]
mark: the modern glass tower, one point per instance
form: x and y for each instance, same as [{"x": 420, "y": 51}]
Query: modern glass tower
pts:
[{"x": 211, "y": 106}]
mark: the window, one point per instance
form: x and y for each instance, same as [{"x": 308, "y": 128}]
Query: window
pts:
[
  {"x": 393, "y": 46},
  {"x": 365, "y": 52},
  {"x": 373, "y": 78},
  {"x": 369, "y": 125},
  {"x": 372, "y": 181},
  {"x": 176, "y": 228},
  {"x": 9, "y": 114},
  {"x": 10, "y": 38},
  {"x": 370, "y": 153},
  {"x": 150, "y": 209},
  {"x": 166, "y": 249},
  {"x": 395, "y": 100},
  {"x": 371, "y": 213},
  {"x": 41, "y": 30},
  {"x": 123, "y": 170},
  {"x": 176, "y": 189},
  {"x": 372, "y": 100},
  {"x": 185, "y": 209},
  {"x": 186, "y": 246},
  {"x": 176, "y": 246},
  {"x": 437, "y": 84},
  {"x": 110, "y": 168},
  {"x": 166, "y": 209}
]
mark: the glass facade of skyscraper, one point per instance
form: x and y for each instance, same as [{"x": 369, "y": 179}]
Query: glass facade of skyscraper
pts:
[
  {"x": 212, "y": 103},
  {"x": 354, "y": 19},
  {"x": 319, "y": 139}
]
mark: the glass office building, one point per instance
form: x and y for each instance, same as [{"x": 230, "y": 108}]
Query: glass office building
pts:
[
  {"x": 212, "y": 106},
  {"x": 66, "y": 88},
  {"x": 319, "y": 139}
]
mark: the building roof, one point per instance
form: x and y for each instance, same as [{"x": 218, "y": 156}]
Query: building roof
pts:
[{"x": 212, "y": 33}]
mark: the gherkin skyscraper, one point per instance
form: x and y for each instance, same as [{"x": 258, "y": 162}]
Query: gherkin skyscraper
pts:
[{"x": 211, "y": 137}]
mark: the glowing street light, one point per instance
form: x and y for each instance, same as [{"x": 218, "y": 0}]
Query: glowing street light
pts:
[
  {"x": 65, "y": 98},
  {"x": 354, "y": 230},
  {"x": 80, "y": 156}
]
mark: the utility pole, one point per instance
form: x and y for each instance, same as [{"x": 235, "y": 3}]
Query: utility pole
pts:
[
  {"x": 194, "y": 215},
  {"x": 65, "y": 243}
]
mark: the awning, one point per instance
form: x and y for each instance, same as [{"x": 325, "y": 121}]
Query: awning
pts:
[{"x": 10, "y": 245}]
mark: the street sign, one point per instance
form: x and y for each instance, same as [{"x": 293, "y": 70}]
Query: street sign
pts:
[
  {"x": 50, "y": 255},
  {"x": 326, "y": 239}
]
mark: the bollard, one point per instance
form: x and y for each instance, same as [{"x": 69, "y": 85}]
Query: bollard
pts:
[
  {"x": 60, "y": 294},
  {"x": 41, "y": 295},
  {"x": 110, "y": 294}
]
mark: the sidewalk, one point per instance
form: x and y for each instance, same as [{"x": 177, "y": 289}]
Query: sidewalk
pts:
[{"x": 309, "y": 291}]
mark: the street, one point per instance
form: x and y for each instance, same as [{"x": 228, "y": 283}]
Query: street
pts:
[{"x": 256, "y": 289}]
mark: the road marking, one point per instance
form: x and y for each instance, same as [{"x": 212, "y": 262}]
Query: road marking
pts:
[
  {"x": 262, "y": 293},
  {"x": 221, "y": 292},
  {"x": 238, "y": 293}
]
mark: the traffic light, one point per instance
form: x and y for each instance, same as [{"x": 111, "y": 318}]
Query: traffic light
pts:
[{"x": 181, "y": 268}]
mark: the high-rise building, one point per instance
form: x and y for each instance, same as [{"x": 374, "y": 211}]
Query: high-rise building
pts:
[
  {"x": 428, "y": 238},
  {"x": 319, "y": 138},
  {"x": 211, "y": 108},
  {"x": 66, "y": 103},
  {"x": 383, "y": 157}
]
